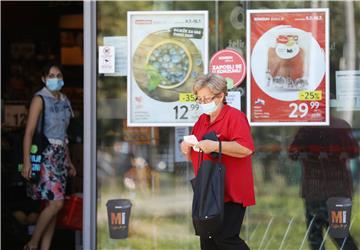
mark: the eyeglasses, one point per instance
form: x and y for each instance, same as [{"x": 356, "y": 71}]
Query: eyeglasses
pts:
[{"x": 205, "y": 99}]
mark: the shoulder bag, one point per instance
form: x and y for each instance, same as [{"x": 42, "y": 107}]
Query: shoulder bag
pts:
[
  {"x": 38, "y": 145},
  {"x": 208, "y": 199}
]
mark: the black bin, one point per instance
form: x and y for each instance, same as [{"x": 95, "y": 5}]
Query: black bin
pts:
[
  {"x": 339, "y": 210},
  {"x": 118, "y": 218}
]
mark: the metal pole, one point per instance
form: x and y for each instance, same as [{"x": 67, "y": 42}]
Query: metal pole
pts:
[
  {"x": 89, "y": 210},
  {"x": 216, "y": 25}
]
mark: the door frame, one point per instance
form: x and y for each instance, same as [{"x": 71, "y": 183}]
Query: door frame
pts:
[{"x": 89, "y": 206}]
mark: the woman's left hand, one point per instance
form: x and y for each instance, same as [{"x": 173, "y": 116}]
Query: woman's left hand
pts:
[
  {"x": 208, "y": 146},
  {"x": 72, "y": 170}
]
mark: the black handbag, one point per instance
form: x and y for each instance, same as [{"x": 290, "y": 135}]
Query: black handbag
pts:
[
  {"x": 208, "y": 199},
  {"x": 38, "y": 145}
]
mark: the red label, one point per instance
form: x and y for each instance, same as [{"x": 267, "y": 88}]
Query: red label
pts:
[{"x": 228, "y": 63}]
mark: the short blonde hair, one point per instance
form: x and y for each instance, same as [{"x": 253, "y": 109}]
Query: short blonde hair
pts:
[{"x": 215, "y": 83}]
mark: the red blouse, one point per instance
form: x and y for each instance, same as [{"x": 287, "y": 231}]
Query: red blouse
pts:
[{"x": 230, "y": 125}]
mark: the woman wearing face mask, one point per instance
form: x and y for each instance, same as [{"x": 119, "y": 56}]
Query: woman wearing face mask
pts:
[
  {"x": 233, "y": 130},
  {"x": 56, "y": 165}
]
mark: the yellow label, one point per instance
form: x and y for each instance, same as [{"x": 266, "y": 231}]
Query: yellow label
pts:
[
  {"x": 186, "y": 97},
  {"x": 310, "y": 95}
]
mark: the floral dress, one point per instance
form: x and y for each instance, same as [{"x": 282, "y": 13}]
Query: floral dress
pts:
[{"x": 53, "y": 175}]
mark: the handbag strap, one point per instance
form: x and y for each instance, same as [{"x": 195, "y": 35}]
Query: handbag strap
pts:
[
  {"x": 43, "y": 115},
  {"x": 200, "y": 158},
  {"x": 220, "y": 151}
]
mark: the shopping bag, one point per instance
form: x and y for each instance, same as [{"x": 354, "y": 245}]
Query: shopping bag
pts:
[
  {"x": 38, "y": 145},
  {"x": 71, "y": 214},
  {"x": 208, "y": 199}
]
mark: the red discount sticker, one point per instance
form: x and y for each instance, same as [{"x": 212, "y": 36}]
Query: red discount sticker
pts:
[{"x": 229, "y": 64}]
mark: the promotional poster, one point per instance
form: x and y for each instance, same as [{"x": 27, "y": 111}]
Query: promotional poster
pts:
[
  {"x": 167, "y": 51},
  {"x": 288, "y": 67}
]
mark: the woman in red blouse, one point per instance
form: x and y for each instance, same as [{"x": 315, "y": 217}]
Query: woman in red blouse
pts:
[{"x": 233, "y": 130}]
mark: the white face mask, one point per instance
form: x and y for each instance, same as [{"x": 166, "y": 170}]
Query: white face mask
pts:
[{"x": 208, "y": 108}]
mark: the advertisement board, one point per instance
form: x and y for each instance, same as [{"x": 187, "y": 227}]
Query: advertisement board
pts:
[
  {"x": 167, "y": 50},
  {"x": 288, "y": 67}
]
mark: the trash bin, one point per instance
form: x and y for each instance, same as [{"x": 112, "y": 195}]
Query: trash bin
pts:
[
  {"x": 118, "y": 218},
  {"x": 339, "y": 210}
]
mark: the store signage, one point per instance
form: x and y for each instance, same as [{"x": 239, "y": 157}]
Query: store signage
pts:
[
  {"x": 234, "y": 99},
  {"x": 120, "y": 46},
  {"x": 167, "y": 50},
  {"x": 106, "y": 59},
  {"x": 348, "y": 90},
  {"x": 229, "y": 64},
  {"x": 180, "y": 132},
  {"x": 288, "y": 67},
  {"x": 15, "y": 115}
]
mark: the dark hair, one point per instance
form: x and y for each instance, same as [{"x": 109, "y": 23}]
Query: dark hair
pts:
[{"x": 46, "y": 69}]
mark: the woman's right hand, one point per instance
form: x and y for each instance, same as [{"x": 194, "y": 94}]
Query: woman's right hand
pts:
[
  {"x": 185, "y": 148},
  {"x": 26, "y": 172}
]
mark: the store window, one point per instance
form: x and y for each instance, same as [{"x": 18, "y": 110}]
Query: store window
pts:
[{"x": 144, "y": 165}]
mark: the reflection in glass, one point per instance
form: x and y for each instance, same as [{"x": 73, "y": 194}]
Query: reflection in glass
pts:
[{"x": 324, "y": 154}]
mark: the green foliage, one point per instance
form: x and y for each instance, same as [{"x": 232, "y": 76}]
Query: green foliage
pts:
[{"x": 154, "y": 77}]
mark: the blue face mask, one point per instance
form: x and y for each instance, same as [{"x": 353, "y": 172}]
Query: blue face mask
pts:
[
  {"x": 208, "y": 108},
  {"x": 54, "y": 84}
]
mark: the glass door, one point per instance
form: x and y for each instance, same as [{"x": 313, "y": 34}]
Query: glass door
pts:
[{"x": 140, "y": 170}]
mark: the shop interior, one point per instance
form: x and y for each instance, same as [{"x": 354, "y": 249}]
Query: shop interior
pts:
[{"x": 33, "y": 34}]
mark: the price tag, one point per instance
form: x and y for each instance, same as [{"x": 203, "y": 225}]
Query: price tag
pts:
[
  {"x": 186, "y": 97},
  {"x": 186, "y": 111},
  {"x": 310, "y": 95}
]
